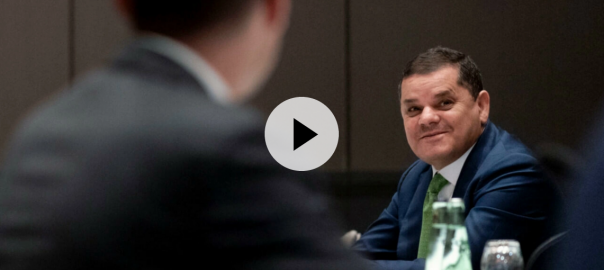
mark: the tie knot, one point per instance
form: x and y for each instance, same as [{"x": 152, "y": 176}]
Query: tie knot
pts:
[{"x": 438, "y": 182}]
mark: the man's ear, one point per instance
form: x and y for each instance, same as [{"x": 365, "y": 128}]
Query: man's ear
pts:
[
  {"x": 484, "y": 105},
  {"x": 278, "y": 12}
]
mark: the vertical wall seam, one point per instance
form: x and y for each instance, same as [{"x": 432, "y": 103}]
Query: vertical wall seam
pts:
[
  {"x": 71, "y": 40},
  {"x": 347, "y": 104},
  {"x": 347, "y": 90}
]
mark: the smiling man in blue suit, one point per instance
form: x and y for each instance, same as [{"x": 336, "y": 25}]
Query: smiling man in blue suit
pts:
[{"x": 461, "y": 154}]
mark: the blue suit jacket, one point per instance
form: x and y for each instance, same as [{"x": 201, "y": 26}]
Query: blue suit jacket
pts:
[{"x": 506, "y": 194}]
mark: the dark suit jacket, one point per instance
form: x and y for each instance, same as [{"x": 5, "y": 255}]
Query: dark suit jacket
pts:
[
  {"x": 505, "y": 193},
  {"x": 583, "y": 246},
  {"x": 135, "y": 168}
]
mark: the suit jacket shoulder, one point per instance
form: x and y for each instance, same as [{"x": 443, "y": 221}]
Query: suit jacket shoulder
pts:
[{"x": 135, "y": 168}]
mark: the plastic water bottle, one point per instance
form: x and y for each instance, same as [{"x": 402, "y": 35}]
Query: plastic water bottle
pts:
[
  {"x": 437, "y": 236},
  {"x": 457, "y": 254}
]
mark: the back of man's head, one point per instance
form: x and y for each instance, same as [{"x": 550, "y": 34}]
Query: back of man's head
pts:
[
  {"x": 437, "y": 57},
  {"x": 177, "y": 18}
]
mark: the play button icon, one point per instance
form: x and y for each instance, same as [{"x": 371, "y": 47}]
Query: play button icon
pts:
[{"x": 301, "y": 134}]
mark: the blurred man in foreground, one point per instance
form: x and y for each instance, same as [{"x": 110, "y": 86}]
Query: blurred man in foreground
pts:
[
  {"x": 461, "y": 154},
  {"x": 582, "y": 246},
  {"x": 151, "y": 163}
]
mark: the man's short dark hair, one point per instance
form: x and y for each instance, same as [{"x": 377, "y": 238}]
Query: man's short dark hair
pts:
[
  {"x": 435, "y": 58},
  {"x": 182, "y": 17}
]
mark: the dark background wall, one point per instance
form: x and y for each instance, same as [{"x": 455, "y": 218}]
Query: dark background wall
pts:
[{"x": 542, "y": 63}]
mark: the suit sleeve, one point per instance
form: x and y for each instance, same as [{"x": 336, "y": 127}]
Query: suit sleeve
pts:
[
  {"x": 511, "y": 201},
  {"x": 264, "y": 215},
  {"x": 381, "y": 238},
  {"x": 379, "y": 243}
]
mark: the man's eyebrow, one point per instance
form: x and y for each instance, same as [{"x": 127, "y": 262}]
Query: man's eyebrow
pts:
[
  {"x": 445, "y": 93},
  {"x": 409, "y": 101},
  {"x": 441, "y": 94}
]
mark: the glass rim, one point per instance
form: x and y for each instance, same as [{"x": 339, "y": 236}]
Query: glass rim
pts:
[{"x": 499, "y": 242}]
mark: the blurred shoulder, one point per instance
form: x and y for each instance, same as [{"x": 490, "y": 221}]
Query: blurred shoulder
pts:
[{"x": 126, "y": 114}]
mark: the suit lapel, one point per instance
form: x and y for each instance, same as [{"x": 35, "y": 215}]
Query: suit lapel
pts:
[
  {"x": 483, "y": 147},
  {"x": 413, "y": 215}
]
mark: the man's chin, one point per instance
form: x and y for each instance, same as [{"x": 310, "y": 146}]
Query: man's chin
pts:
[{"x": 435, "y": 158}]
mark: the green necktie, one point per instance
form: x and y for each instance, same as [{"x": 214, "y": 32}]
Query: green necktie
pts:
[{"x": 437, "y": 183}]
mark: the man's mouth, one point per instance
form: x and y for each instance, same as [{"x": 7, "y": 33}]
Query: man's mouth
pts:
[{"x": 432, "y": 134}]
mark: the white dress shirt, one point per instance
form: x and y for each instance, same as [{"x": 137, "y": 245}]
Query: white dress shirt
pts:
[
  {"x": 191, "y": 61},
  {"x": 451, "y": 173}
]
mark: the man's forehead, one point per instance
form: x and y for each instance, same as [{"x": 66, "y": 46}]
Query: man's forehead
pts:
[
  {"x": 442, "y": 75},
  {"x": 441, "y": 82}
]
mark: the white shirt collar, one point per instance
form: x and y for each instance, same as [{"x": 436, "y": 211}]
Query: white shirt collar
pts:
[
  {"x": 452, "y": 171},
  {"x": 191, "y": 61}
]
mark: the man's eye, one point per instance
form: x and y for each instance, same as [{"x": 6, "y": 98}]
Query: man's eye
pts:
[
  {"x": 413, "y": 111},
  {"x": 446, "y": 103}
]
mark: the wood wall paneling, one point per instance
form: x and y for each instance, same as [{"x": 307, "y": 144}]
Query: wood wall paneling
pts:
[
  {"x": 100, "y": 33},
  {"x": 313, "y": 65},
  {"x": 33, "y": 57}
]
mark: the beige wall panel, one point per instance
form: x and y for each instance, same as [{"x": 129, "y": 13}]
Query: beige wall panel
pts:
[
  {"x": 541, "y": 63},
  {"x": 33, "y": 57},
  {"x": 100, "y": 32},
  {"x": 313, "y": 65}
]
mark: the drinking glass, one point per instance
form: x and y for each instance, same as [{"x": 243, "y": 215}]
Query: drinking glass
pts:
[{"x": 502, "y": 255}]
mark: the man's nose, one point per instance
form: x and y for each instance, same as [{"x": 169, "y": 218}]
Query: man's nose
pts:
[{"x": 428, "y": 117}]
